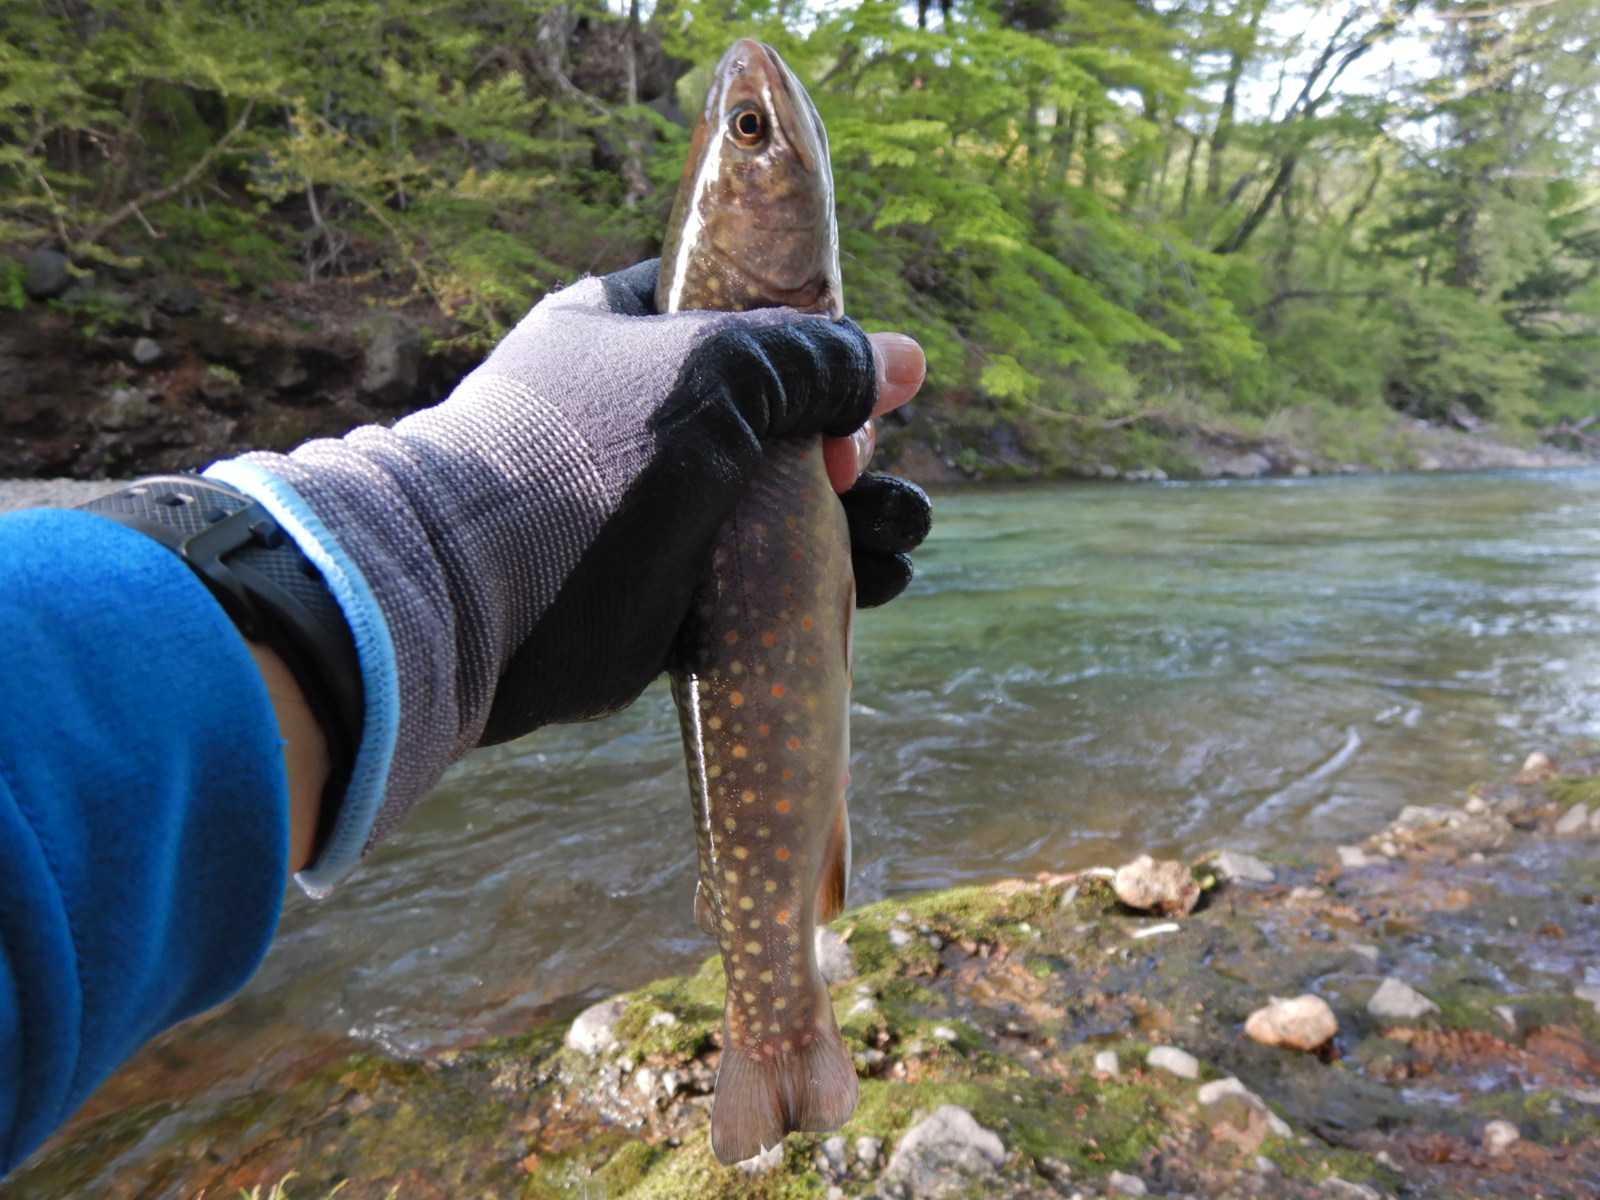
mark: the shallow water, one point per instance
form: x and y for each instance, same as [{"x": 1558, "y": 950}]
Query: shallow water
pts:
[{"x": 1078, "y": 674}]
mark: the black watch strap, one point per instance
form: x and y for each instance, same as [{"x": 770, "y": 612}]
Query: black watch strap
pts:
[{"x": 271, "y": 590}]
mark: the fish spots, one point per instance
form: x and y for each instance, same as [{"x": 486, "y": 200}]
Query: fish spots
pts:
[
  {"x": 808, "y": 624},
  {"x": 749, "y": 797},
  {"x": 763, "y": 730},
  {"x": 731, "y": 637},
  {"x": 746, "y": 903},
  {"x": 794, "y": 743},
  {"x": 741, "y": 852},
  {"x": 713, "y": 772},
  {"x": 769, "y": 887},
  {"x": 736, "y": 667},
  {"x": 729, "y": 926},
  {"x": 781, "y": 854},
  {"x": 731, "y": 876},
  {"x": 783, "y": 806},
  {"x": 714, "y": 724},
  {"x": 769, "y": 639},
  {"x": 788, "y": 774},
  {"x": 741, "y": 750},
  {"x": 778, "y": 691},
  {"x": 779, "y": 1004},
  {"x": 765, "y": 977},
  {"x": 730, "y": 824},
  {"x": 782, "y": 915},
  {"x": 736, "y": 698},
  {"x": 752, "y": 947}
]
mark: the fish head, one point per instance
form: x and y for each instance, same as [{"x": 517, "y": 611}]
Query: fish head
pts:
[{"x": 753, "y": 223}]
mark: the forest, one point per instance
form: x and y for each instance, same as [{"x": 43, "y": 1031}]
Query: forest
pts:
[{"x": 1301, "y": 216}]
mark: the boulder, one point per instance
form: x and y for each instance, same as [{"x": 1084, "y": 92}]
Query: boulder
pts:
[
  {"x": 944, "y": 1155},
  {"x": 46, "y": 273},
  {"x": 391, "y": 360},
  {"x": 1301, "y": 1023}
]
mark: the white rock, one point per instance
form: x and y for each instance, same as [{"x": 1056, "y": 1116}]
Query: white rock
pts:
[
  {"x": 942, "y": 1154},
  {"x": 1106, "y": 1063},
  {"x": 663, "y": 1017},
  {"x": 944, "y": 1033},
  {"x": 1589, "y": 992},
  {"x": 146, "y": 351},
  {"x": 1507, "y": 1014},
  {"x": 1499, "y": 1136},
  {"x": 594, "y": 1031},
  {"x": 1174, "y": 1061},
  {"x": 900, "y": 938},
  {"x": 834, "y": 959},
  {"x": 1574, "y": 821},
  {"x": 1166, "y": 887},
  {"x": 769, "y": 1159},
  {"x": 867, "y": 1150},
  {"x": 644, "y": 1079},
  {"x": 1150, "y": 931},
  {"x": 1397, "y": 1001},
  {"x": 833, "y": 1155},
  {"x": 1366, "y": 950},
  {"x": 1353, "y": 858},
  {"x": 1302, "y": 1023},
  {"x": 1476, "y": 806},
  {"x": 1237, "y": 865},
  {"x": 1536, "y": 768},
  {"x": 1220, "y": 1089},
  {"x": 1127, "y": 1185}
]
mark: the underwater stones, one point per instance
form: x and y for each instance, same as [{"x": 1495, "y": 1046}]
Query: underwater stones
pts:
[
  {"x": 1237, "y": 866},
  {"x": 1165, "y": 887},
  {"x": 1574, "y": 821},
  {"x": 595, "y": 1030},
  {"x": 1500, "y": 1136},
  {"x": 1397, "y": 1001},
  {"x": 834, "y": 958},
  {"x": 1299, "y": 1023},
  {"x": 1174, "y": 1061},
  {"x": 944, "y": 1154}
]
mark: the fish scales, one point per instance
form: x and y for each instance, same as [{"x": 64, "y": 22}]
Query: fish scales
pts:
[{"x": 765, "y": 708}]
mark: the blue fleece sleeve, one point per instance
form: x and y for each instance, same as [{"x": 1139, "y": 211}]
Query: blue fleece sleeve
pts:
[{"x": 143, "y": 809}]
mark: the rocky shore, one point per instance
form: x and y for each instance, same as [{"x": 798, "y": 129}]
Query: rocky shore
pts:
[{"x": 1033, "y": 1038}]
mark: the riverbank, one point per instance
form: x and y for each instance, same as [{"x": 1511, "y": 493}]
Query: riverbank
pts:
[
  {"x": 135, "y": 375},
  {"x": 1031, "y": 1038}
]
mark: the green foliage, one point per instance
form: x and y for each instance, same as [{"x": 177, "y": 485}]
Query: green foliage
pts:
[{"x": 1082, "y": 209}]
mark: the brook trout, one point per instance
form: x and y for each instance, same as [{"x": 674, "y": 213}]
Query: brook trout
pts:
[{"x": 765, "y": 708}]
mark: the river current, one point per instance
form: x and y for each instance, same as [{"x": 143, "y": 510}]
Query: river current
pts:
[{"x": 1079, "y": 674}]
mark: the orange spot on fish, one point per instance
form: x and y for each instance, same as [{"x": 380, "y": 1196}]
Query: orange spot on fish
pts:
[
  {"x": 747, "y": 796},
  {"x": 807, "y": 624},
  {"x": 778, "y": 690},
  {"x": 781, "y": 916},
  {"x": 781, "y": 853},
  {"x": 769, "y": 639},
  {"x": 788, "y": 774},
  {"x": 784, "y": 806},
  {"x": 793, "y": 744},
  {"x": 764, "y": 730},
  {"x": 731, "y": 636},
  {"x": 736, "y": 699},
  {"x": 740, "y": 751}
]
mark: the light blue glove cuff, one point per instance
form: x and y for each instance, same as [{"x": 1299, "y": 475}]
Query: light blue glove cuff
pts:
[{"x": 380, "y": 680}]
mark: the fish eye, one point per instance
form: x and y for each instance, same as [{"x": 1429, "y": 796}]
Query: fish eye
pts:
[{"x": 747, "y": 126}]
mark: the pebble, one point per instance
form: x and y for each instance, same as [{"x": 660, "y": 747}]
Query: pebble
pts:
[
  {"x": 594, "y": 1032},
  {"x": 1106, "y": 1063},
  {"x": 644, "y": 1079},
  {"x": 146, "y": 351},
  {"x": 1507, "y": 1014},
  {"x": 942, "y": 1154},
  {"x": 1499, "y": 1136},
  {"x": 867, "y": 1151},
  {"x": 1476, "y": 806},
  {"x": 900, "y": 938},
  {"x": 1389, "y": 849},
  {"x": 1536, "y": 768},
  {"x": 1302, "y": 1023},
  {"x": 1353, "y": 858},
  {"x": 1574, "y": 821},
  {"x": 1242, "y": 867},
  {"x": 943, "y": 1033},
  {"x": 1220, "y": 1089},
  {"x": 834, "y": 958},
  {"x": 1127, "y": 1185},
  {"x": 1175, "y": 1061},
  {"x": 1166, "y": 887},
  {"x": 1397, "y": 1001},
  {"x": 663, "y": 1018},
  {"x": 833, "y": 1155},
  {"x": 1150, "y": 931}
]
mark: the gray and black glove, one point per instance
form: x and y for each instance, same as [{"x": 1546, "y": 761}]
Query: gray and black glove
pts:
[{"x": 525, "y": 552}]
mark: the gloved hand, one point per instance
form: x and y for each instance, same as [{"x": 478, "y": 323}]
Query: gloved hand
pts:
[{"x": 532, "y": 543}]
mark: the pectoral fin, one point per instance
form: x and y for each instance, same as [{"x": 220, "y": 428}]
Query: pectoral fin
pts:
[
  {"x": 835, "y": 868},
  {"x": 703, "y": 916}
]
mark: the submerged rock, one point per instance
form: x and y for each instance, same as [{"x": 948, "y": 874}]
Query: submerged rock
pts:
[
  {"x": 1302, "y": 1023},
  {"x": 1397, "y": 1001},
  {"x": 1500, "y": 1136},
  {"x": 1241, "y": 867},
  {"x": 1165, "y": 887},
  {"x": 944, "y": 1154},
  {"x": 1538, "y": 767}
]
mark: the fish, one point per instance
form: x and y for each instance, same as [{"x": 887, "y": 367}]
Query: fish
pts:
[{"x": 763, "y": 688}]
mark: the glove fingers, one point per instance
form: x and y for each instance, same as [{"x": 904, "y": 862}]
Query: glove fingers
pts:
[
  {"x": 832, "y": 377},
  {"x": 632, "y": 292},
  {"x": 887, "y": 514},
  {"x": 879, "y": 577}
]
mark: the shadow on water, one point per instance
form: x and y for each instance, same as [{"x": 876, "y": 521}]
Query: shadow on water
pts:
[{"x": 1078, "y": 674}]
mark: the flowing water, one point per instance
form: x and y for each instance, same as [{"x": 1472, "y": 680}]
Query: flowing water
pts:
[{"x": 1079, "y": 674}]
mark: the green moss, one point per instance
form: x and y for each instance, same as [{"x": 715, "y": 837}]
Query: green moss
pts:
[
  {"x": 693, "y": 1171},
  {"x": 695, "y": 1000},
  {"x": 1568, "y": 791},
  {"x": 1317, "y": 1162}
]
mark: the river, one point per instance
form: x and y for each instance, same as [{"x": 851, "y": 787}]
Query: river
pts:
[{"x": 1079, "y": 673}]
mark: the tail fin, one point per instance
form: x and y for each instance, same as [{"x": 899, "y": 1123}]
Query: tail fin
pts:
[{"x": 760, "y": 1100}]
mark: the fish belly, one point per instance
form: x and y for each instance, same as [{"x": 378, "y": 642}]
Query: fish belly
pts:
[{"x": 764, "y": 713}]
